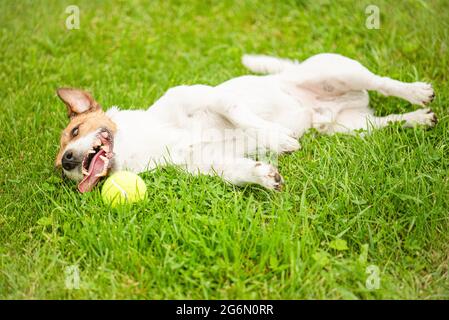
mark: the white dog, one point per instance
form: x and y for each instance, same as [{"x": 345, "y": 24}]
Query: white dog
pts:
[{"x": 214, "y": 130}]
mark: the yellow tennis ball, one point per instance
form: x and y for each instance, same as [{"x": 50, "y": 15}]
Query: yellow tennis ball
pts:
[{"x": 123, "y": 187}]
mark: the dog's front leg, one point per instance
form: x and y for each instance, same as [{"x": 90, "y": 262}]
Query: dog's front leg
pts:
[
  {"x": 269, "y": 134},
  {"x": 189, "y": 100},
  {"x": 240, "y": 171}
]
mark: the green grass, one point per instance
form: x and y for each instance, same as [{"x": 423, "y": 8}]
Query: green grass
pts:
[{"x": 385, "y": 196}]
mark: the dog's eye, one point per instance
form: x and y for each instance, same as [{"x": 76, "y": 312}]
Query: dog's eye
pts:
[{"x": 75, "y": 131}]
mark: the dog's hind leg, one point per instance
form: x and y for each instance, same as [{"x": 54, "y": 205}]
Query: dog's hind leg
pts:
[
  {"x": 355, "y": 119},
  {"x": 332, "y": 75}
]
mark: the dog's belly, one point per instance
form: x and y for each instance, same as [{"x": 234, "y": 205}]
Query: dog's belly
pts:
[
  {"x": 269, "y": 98},
  {"x": 326, "y": 110},
  {"x": 263, "y": 95}
]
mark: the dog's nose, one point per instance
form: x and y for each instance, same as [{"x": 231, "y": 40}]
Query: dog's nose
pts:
[{"x": 69, "y": 161}]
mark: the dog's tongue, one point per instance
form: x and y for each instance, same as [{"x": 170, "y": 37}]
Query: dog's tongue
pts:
[{"x": 95, "y": 167}]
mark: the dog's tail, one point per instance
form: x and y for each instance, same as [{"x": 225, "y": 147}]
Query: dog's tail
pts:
[{"x": 267, "y": 64}]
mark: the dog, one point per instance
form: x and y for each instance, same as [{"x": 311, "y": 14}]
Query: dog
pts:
[{"x": 215, "y": 130}]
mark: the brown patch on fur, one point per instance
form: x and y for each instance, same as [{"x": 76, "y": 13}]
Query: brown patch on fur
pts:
[
  {"x": 77, "y": 101},
  {"x": 87, "y": 123},
  {"x": 85, "y": 113}
]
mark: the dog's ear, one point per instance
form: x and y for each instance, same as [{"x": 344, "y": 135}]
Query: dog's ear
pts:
[{"x": 77, "y": 101}]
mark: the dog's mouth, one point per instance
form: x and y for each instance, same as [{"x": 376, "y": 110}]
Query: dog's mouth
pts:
[{"x": 97, "y": 161}]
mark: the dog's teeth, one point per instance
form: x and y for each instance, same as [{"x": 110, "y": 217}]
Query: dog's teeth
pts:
[
  {"x": 85, "y": 172},
  {"x": 105, "y": 159},
  {"x": 91, "y": 151},
  {"x": 103, "y": 173}
]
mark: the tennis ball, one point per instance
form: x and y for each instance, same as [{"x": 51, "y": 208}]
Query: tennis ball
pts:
[{"x": 123, "y": 187}]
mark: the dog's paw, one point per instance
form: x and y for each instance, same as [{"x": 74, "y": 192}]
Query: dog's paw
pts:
[
  {"x": 278, "y": 142},
  {"x": 424, "y": 117},
  {"x": 420, "y": 93},
  {"x": 288, "y": 144},
  {"x": 268, "y": 176}
]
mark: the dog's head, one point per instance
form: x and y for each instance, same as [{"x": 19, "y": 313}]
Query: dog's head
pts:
[{"x": 86, "y": 147}]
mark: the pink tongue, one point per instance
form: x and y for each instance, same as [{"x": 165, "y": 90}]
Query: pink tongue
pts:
[{"x": 96, "y": 166}]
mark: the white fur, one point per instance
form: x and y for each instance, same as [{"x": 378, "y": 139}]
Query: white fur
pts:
[
  {"x": 266, "y": 64},
  {"x": 212, "y": 130}
]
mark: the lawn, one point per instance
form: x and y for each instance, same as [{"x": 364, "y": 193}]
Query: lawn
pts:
[{"x": 359, "y": 217}]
